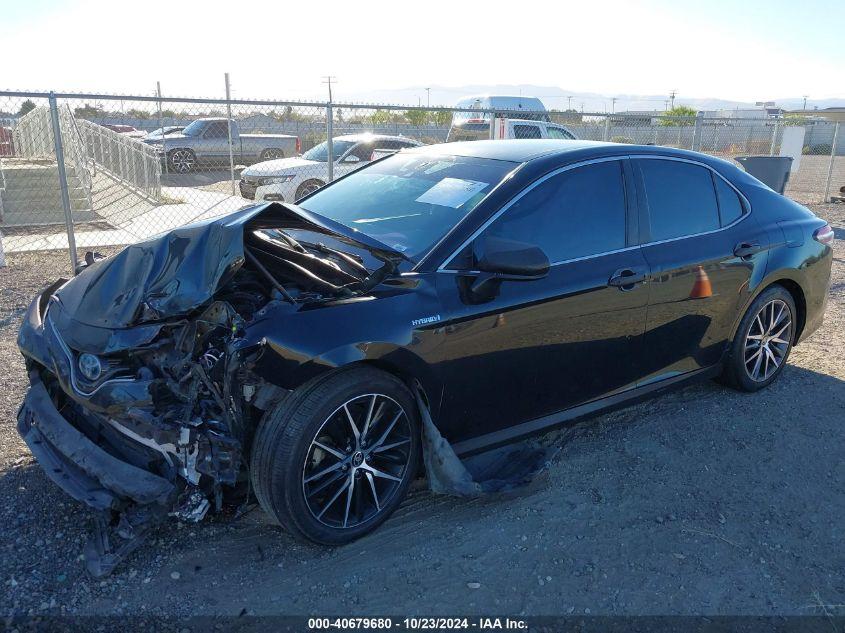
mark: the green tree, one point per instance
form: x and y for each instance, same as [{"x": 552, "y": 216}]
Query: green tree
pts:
[
  {"x": 380, "y": 117},
  {"x": 441, "y": 117},
  {"x": 26, "y": 106},
  {"x": 794, "y": 119},
  {"x": 89, "y": 112},
  {"x": 138, "y": 114},
  {"x": 679, "y": 115},
  {"x": 417, "y": 117}
]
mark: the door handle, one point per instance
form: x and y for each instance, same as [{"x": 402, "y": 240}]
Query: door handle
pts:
[
  {"x": 744, "y": 250},
  {"x": 627, "y": 278}
]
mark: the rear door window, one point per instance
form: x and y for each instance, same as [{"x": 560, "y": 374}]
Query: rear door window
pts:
[
  {"x": 576, "y": 213},
  {"x": 681, "y": 198}
]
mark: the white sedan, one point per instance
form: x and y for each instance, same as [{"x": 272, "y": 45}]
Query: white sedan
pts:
[{"x": 289, "y": 179}]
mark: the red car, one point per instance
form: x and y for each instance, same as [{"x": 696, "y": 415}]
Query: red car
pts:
[{"x": 7, "y": 143}]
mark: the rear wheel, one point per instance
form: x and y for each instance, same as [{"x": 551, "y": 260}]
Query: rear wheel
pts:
[
  {"x": 272, "y": 154},
  {"x": 337, "y": 458},
  {"x": 762, "y": 342},
  {"x": 182, "y": 161}
]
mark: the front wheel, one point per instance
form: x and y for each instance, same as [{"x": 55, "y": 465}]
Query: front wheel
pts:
[
  {"x": 334, "y": 460},
  {"x": 308, "y": 187},
  {"x": 763, "y": 341}
]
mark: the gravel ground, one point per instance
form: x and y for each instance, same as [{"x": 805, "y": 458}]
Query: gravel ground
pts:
[{"x": 701, "y": 501}]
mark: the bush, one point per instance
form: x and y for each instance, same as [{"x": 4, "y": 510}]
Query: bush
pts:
[
  {"x": 822, "y": 149},
  {"x": 622, "y": 139}
]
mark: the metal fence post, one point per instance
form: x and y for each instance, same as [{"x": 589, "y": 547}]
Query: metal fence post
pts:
[
  {"x": 774, "y": 137},
  {"x": 229, "y": 130},
  {"x": 329, "y": 141},
  {"x": 606, "y": 135},
  {"x": 60, "y": 164},
  {"x": 160, "y": 127},
  {"x": 832, "y": 159},
  {"x": 696, "y": 132}
]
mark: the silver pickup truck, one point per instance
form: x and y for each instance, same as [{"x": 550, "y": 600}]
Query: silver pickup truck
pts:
[{"x": 205, "y": 142}]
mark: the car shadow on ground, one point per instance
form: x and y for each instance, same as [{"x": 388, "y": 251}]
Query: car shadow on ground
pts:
[
  {"x": 198, "y": 178},
  {"x": 703, "y": 500}
]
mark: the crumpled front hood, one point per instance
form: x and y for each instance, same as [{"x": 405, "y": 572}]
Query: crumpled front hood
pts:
[
  {"x": 162, "y": 277},
  {"x": 177, "y": 272}
]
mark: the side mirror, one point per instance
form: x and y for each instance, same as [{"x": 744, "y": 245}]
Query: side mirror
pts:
[
  {"x": 352, "y": 158},
  {"x": 509, "y": 258},
  {"x": 500, "y": 259}
]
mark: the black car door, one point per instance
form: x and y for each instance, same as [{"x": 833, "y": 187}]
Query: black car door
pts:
[
  {"x": 703, "y": 248},
  {"x": 545, "y": 345}
]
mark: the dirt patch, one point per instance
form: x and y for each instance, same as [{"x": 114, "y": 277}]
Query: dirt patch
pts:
[{"x": 704, "y": 500}]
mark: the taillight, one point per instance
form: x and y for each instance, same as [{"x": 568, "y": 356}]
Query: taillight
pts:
[
  {"x": 824, "y": 235},
  {"x": 298, "y": 146}
]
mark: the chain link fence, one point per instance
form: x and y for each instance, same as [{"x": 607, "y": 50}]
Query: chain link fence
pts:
[{"x": 92, "y": 170}]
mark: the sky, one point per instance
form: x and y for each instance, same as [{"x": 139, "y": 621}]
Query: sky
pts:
[{"x": 743, "y": 50}]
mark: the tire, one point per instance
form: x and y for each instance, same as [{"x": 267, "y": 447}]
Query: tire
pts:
[
  {"x": 742, "y": 370},
  {"x": 307, "y": 187},
  {"x": 272, "y": 154},
  {"x": 182, "y": 161},
  {"x": 305, "y": 460}
]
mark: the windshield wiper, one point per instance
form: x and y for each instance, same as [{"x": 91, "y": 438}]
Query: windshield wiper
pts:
[{"x": 352, "y": 260}]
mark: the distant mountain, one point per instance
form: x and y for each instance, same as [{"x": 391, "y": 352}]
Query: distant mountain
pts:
[{"x": 559, "y": 98}]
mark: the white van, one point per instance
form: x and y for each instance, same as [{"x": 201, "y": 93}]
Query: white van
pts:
[
  {"x": 530, "y": 108},
  {"x": 524, "y": 117}
]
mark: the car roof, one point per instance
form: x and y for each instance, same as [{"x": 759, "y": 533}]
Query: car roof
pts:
[
  {"x": 369, "y": 136},
  {"x": 516, "y": 150},
  {"x": 526, "y": 150}
]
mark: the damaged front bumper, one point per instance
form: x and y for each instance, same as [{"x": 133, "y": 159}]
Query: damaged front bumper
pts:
[
  {"x": 108, "y": 444},
  {"x": 80, "y": 467}
]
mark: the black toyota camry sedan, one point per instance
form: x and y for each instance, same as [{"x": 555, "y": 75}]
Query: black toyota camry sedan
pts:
[{"x": 495, "y": 288}]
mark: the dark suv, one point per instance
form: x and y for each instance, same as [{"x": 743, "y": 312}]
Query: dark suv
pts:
[{"x": 500, "y": 287}]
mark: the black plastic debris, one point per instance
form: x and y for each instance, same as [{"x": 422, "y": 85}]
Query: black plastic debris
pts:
[{"x": 505, "y": 469}]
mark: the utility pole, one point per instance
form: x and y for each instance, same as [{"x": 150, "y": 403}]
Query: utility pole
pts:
[
  {"x": 229, "y": 132},
  {"x": 428, "y": 97},
  {"x": 805, "y": 102},
  {"x": 666, "y": 105},
  {"x": 613, "y": 105},
  {"x": 569, "y": 103},
  {"x": 672, "y": 99},
  {"x": 328, "y": 79}
]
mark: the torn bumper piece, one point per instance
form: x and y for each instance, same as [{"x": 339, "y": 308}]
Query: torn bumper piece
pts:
[{"x": 80, "y": 467}]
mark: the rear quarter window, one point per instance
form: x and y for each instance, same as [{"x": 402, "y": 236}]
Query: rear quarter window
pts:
[{"x": 730, "y": 205}]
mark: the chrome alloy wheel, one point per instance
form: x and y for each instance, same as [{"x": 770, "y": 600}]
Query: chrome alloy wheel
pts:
[
  {"x": 309, "y": 188},
  {"x": 182, "y": 161},
  {"x": 357, "y": 460},
  {"x": 768, "y": 340}
]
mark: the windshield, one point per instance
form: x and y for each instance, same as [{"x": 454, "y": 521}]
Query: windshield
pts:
[
  {"x": 195, "y": 128},
  {"x": 409, "y": 202},
  {"x": 320, "y": 153}
]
